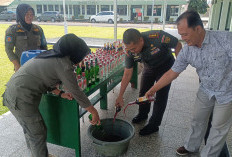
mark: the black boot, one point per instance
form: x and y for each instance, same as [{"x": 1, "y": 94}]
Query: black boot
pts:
[
  {"x": 139, "y": 118},
  {"x": 148, "y": 129}
]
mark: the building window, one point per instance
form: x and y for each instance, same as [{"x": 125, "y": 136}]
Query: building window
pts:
[
  {"x": 157, "y": 10},
  {"x": 76, "y": 10},
  {"x": 174, "y": 10},
  {"x": 66, "y": 9},
  {"x": 61, "y": 9},
  {"x": 39, "y": 9},
  {"x": 122, "y": 9},
  {"x": 91, "y": 9},
  {"x": 105, "y": 8},
  {"x": 57, "y": 8},
  {"x": 45, "y": 8},
  {"x": 50, "y": 8},
  {"x": 70, "y": 9},
  {"x": 83, "y": 10}
]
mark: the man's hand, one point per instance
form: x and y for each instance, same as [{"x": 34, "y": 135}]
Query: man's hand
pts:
[
  {"x": 119, "y": 102},
  {"x": 150, "y": 93},
  {"x": 95, "y": 117},
  {"x": 16, "y": 65},
  {"x": 67, "y": 96}
]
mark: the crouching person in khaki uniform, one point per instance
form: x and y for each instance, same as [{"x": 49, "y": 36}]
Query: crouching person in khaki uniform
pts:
[{"x": 25, "y": 88}]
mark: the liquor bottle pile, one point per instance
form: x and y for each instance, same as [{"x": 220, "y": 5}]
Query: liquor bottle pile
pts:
[{"x": 98, "y": 66}]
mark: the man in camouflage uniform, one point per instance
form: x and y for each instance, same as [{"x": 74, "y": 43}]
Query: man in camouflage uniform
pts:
[
  {"x": 24, "y": 35},
  {"x": 153, "y": 49}
]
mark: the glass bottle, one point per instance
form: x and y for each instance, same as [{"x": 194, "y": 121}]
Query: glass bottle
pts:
[
  {"x": 79, "y": 81},
  {"x": 96, "y": 71},
  {"x": 92, "y": 78},
  {"x": 142, "y": 100},
  {"x": 87, "y": 74},
  {"x": 84, "y": 81},
  {"x": 83, "y": 66},
  {"x": 101, "y": 72},
  {"x": 78, "y": 70},
  {"x": 97, "y": 126}
]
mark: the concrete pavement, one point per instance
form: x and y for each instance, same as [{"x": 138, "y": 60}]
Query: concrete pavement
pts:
[{"x": 173, "y": 129}]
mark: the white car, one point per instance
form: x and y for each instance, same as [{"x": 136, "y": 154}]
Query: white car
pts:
[{"x": 104, "y": 16}]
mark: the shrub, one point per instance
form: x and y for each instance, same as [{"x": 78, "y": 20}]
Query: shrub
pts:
[
  {"x": 146, "y": 18},
  {"x": 81, "y": 16},
  {"x": 135, "y": 19}
]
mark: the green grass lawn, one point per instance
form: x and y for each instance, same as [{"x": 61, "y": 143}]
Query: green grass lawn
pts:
[{"x": 50, "y": 31}]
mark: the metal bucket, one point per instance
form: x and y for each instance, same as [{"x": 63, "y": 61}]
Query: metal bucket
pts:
[{"x": 114, "y": 139}]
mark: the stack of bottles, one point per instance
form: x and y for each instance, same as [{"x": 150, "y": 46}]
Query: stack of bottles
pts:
[{"x": 98, "y": 66}]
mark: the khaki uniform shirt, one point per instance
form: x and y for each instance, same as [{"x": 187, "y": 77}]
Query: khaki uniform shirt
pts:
[
  {"x": 37, "y": 75},
  {"x": 18, "y": 40}
]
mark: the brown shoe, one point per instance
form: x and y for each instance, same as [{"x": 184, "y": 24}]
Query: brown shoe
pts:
[{"x": 182, "y": 151}]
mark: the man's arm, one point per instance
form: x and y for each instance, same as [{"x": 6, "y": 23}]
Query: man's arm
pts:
[
  {"x": 9, "y": 47},
  {"x": 125, "y": 81},
  {"x": 166, "y": 79},
  {"x": 178, "y": 48},
  {"x": 43, "y": 45}
]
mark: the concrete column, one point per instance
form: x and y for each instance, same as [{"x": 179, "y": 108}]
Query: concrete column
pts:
[
  {"x": 42, "y": 9},
  {"x": 179, "y": 11},
  {"x": 68, "y": 12},
  {"x": 231, "y": 25},
  {"x": 96, "y": 9},
  {"x": 216, "y": 15},
  {"x": 80, "y": 10},
  {"x": 72, "y": 10},
  {"x": 224, "y": 13},
  {"x": 145, "y": 10},
  {"x": 129, "y": 12},
  {"x": 85, "y": 10},
  {"x": 211, "y": 19}
]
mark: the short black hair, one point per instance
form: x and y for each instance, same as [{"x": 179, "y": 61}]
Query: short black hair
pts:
[
  {"x": 131, "y": 35},
  {"x": 193, "y": 18}
]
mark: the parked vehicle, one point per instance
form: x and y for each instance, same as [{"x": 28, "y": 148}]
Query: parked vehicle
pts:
[
  {"x": 104, "y": 16},
  {"x": 50, "y": 16},
  {"x": 8, "y": 15}
]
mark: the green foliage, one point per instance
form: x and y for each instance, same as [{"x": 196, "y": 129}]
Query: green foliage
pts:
[
  {"x": 156, "y": 20},
  {"x": 135, "y": 19},
  {"x": 198, "y": 5},
  {"x": 81, "y": 16},
  {"x": 6, "y": 67},
  {"x": 146, "y": 18}
]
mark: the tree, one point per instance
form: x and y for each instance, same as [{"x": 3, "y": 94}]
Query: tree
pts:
[{"x": 198, "y": 5}]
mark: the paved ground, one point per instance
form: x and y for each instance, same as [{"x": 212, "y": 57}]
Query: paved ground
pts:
[{"x": 173, "y": 129}]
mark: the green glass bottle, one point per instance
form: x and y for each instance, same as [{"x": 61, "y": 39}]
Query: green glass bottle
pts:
[
  {"x": 87, "y": 75},
  {"x": 99, "y": 127},
  {"x": 92, "y": 73},
  {"x": 78, "y": 70}
]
